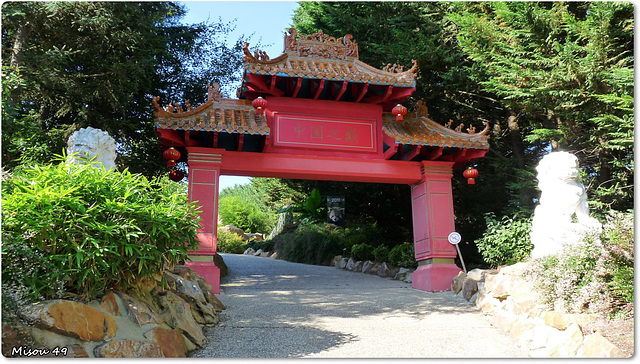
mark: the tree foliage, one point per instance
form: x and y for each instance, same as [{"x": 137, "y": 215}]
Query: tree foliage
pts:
[
  {"x": 98, "y": 64},
  {"x": 544, "y": 75}
]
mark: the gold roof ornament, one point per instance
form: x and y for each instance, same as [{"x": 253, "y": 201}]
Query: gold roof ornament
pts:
[{"x": 320, "y": 56}]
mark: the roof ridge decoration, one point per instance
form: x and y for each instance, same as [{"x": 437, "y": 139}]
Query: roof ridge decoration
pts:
[
  {"x": 321, "y": 56},
  {"x": 320, "y": 45}
]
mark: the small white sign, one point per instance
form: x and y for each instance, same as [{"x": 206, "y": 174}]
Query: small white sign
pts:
[{"x": 454, "y": 238}]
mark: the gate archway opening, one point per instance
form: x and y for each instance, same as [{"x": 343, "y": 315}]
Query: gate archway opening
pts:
[{"x": 317, "y": 112}]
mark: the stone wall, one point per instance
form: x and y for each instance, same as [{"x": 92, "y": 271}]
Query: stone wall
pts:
[
  {"x": 162, "y": 317},
  {"x": 515, "y": 307}
]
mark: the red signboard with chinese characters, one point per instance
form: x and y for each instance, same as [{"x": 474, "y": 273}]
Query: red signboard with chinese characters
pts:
[
  {"x": 319, "y": 127},
  {"x": 325, "y": 132}
]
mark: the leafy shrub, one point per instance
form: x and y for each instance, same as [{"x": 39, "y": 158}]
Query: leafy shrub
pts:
[
  {"x": 229, "y": 242},
  {"x": 311, "y": 244},
  {"x": 83, "y": 230},
  {"x": 381, "y": 253},
  {"x": 403, "y": 256},
  {"x": 362, "y": 252},
  {"x": 235, "y": 210},
  {"x": 505, "y": 241},
  {"x": 595, "y": 276}
]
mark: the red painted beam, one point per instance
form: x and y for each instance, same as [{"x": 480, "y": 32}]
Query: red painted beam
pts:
[
  {"x": 297, "y": 89},
  {"x": 170, "y": 137},
  {"x": 342, "y": 90},
  {"x": 317, "y": 168},
  {"x": 434, "y": 153},
  {"x": 319, "y": 89},
  {"x": 363, "y": 91},
  {"x": 414, "y": 151}
]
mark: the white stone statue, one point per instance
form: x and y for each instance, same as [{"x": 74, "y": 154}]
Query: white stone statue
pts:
[
  {"x": 562, "y": 216},
  {"x": 90, "y": 142}
]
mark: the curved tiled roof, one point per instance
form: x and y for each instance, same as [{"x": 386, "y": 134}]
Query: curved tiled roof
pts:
[
  {"x": 318, "y": 56},
  {"x": 424, "y": 131},
  {"x": 226, "y": 115}
]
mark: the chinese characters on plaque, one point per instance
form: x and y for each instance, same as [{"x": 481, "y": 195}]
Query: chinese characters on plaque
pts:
[{"x": 326, "y": 133}]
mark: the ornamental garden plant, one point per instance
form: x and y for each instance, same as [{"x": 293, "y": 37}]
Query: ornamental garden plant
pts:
[{"x": 76, "y": 231}]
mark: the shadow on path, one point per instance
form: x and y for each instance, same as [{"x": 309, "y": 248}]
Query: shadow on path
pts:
[{"x": 278, "y": 309}]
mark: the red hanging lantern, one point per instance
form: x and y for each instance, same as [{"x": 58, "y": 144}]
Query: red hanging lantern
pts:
[
  {"x": 176, "y": 175},
  {"x": 171, "y": 155},
  {"x": 399, "y": 111},
  {"x": 260, "y": 104},
  {"x": 471, "y": 174}
]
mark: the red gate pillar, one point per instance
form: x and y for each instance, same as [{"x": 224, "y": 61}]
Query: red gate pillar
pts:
[
  {"x": 204, "y": 174},
  {"x": 433, "y": 221}
]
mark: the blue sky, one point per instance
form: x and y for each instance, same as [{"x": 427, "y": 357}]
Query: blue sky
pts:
[{"x": 266, "y": 21}]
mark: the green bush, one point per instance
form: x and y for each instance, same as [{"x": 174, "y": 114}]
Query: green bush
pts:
[
  {"x": 505, "y": 241},
  {"x": 362, "y": 252},
  {"x": 594, "y": 276},
  {"x": 83, "y": 230},
  {"x": 403, "y": 256},
  {"x": 381, "y": 253},
  {"x": 311, "y": 244},
  {"x": 235, "y": 210},
  {"x": 229, "y": 242}
]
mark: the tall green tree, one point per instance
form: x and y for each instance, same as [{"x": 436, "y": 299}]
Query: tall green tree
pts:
[
  {"x": 98, "y": 64},
  {"x": 565, "y": 72}
]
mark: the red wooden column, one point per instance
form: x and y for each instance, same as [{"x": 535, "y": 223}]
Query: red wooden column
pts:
[
  {"x": 204, "y": 174},
  {"x": 433, "y": 221}
]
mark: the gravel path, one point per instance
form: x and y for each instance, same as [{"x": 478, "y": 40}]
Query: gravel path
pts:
[{"x": 278, "y": 309}]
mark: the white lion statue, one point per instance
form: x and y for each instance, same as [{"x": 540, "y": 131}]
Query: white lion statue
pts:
[
  {"x": 91, "y": 142},
  {"x": 562, "y": 216}
]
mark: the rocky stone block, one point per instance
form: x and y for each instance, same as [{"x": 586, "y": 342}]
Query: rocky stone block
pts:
[
  {"x": 258, "y": 252},
  {"x": 499, "y": 285},
  {"x": 171, "y": 342},
  {"x": 109, "y": 303},
  {"x": 514, "y": 269},
  {"x": 207, "y": 291},
  {"x": 567, "y": 342},
  {"x": 265, "y": 254},
  {"x": 351, "y": 264},
  {"x": 502, "y": 320},
  {"x": 358, "y": 266},
  {"x": 249, "y": 251},
  {"x": 177, "y": 314},
  {"x": 342, "y": 264},
  {"x": 189, "y": 290},
  {"x": 127, "y": 348},
  {"x": 274, "y": 255},
  {"x": 469, "y": 288},
  {"x": 476, "y": 274},
  {"x": 204, "y": 313},
  {"x": 456, "y": 283},
  {"x": 219, "y": 262},
  {"x": 335, "y": 260},
  {"x": 385, "y": 270},
  {"x": 519, "y": 327},
  {"x": 138, "y": 312},
  {"x": 596, "y": 346},
  {"x": 370, "y": 267},
  {"x": 542, "y": 338},
  {"x": 73, "y": 319}
]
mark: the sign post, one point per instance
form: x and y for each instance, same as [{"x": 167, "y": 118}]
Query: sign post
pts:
[{"x": 455, "y": 238}]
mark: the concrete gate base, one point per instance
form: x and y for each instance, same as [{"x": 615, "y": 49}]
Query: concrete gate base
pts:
[{"x": 434, "y": 277}]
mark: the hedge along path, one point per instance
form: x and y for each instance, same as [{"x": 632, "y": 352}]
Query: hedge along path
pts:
[{"x": 279, "y": 309}]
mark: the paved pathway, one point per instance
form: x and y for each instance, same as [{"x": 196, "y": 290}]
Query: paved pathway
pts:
[{"x": 278, "y": 309}]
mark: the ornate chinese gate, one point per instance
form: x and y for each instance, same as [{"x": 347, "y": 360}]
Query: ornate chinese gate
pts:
[{"x": 327, "y": 117}]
